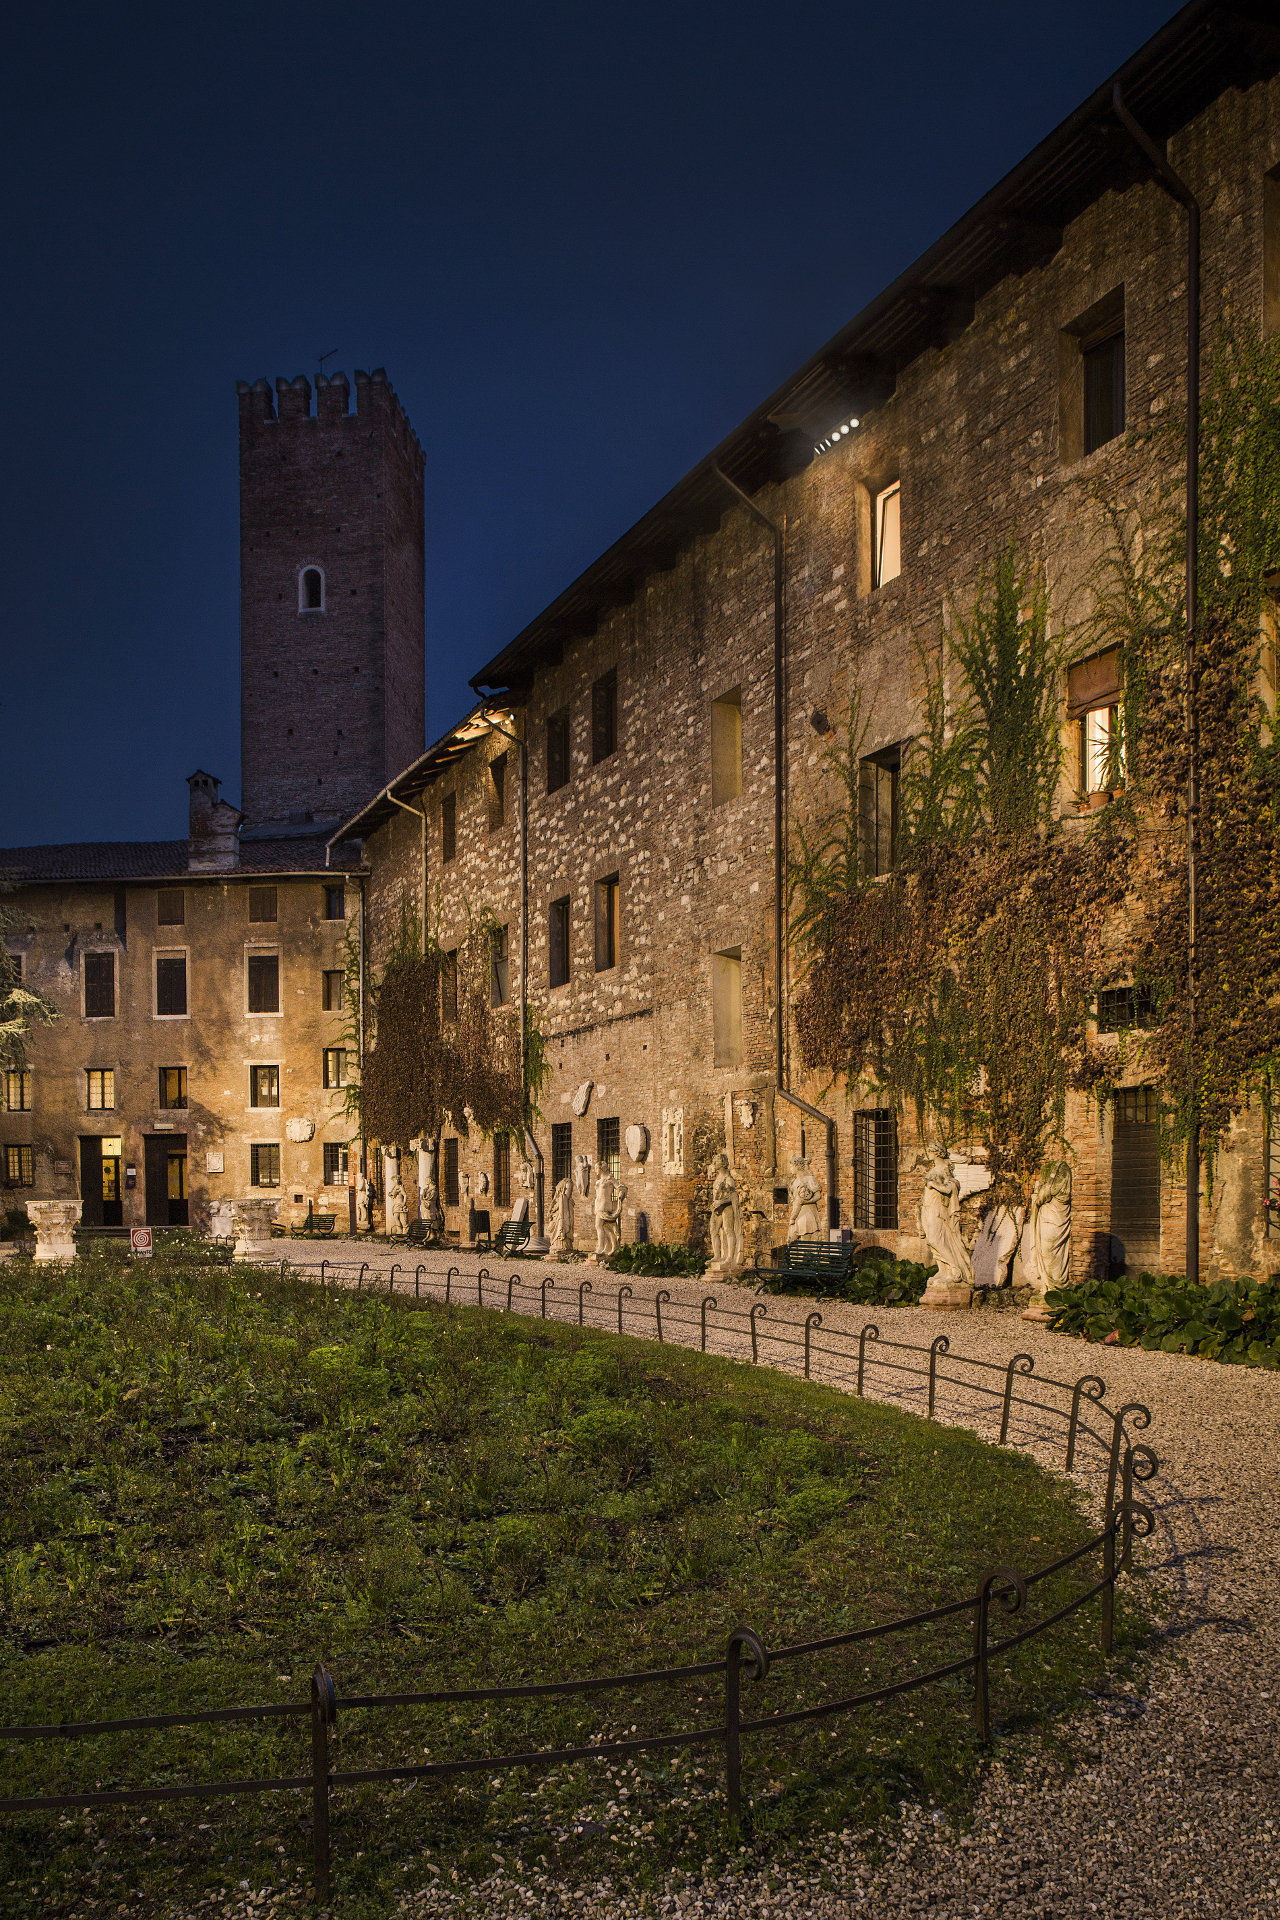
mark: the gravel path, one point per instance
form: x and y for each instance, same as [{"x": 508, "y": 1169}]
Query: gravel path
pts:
[{"x": 1163, "y": 1798}]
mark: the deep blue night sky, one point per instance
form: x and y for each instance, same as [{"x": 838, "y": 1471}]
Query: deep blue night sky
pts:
[{"x": 583, "y": 240}]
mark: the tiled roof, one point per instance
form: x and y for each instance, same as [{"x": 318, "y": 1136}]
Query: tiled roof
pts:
[{"x": 114, "y": 860}]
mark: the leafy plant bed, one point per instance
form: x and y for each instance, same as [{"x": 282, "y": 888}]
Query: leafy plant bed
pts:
[
  {"x": 877, "y": 1280},
  {"x": 659, "y": 1260},
  {"x": 215, "y": 1478},
  {"x": 1233, "y": 1320}
]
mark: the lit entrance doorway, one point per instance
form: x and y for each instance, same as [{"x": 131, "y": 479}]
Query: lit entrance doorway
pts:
[
  {"x": 101, "y": 1202},
  {"x": 165, "y": 1169}
]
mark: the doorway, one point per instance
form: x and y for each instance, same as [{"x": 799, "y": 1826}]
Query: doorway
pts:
[
  {"x": 101, "y": 1197},
  {"x": 1135, "y": 1180},
  {"x": 165, "y": 1173}
]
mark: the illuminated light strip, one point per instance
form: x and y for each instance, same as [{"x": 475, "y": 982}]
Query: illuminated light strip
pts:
[{"x": 838, "y": 434}]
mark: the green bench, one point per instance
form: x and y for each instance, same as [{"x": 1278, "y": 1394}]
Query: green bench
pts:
[
  {"x": 825, "y": 1263},
  {"x": 510, "y": 1237},
  {"x": 315, "y": 1223}
]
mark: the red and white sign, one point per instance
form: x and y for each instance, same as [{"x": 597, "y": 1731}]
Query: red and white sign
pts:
[{"x": 140, "y": 1241}]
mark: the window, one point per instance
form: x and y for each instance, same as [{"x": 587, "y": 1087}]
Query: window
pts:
[
  {"x": 451, "y": 1188},
  {"x": 606, "y": 923},
  {"x": 171, "y": 984},
  {"x": 264, "y": 983},
  {"x": 558, "y": 942},
  {"x": 335, "y": 903},
  {"x": 171, "y": 907},
  {"x": 875, "y": 1169},
  {"x": 878, "y": 777},
  {"x": 262, "y": 903},
  {"x": 1135, "y": 1179},
  {"x": 604, "y": 716},
  {"x": 449, "y": 985},
  {"x": 609, "y": 1146},
  {"x": 726, "y": 747},
  {"x": 99, "y": 986},
  {"x": 331, "y": 989},
  {"x": 497, "y": 792},
  {"x": 335, "y": 1163},
  {"x": 17, "y": 1089},
  {"x": 264, "y": 1086},
  {"x": 726, "y": 1007},
  {"x": 561, "y": 1152},
  {"x": 19, "y": 1170},
  {"x": 173, "y": 1086},
  {"x": 335, "y": 1067},
  {"x": 100, "y": 1089},
  {"x": 502, "y": 1169},
  {"x": 311, "y": 590},
  {"x": 1103, "y": 391},
  {"x": 499, "y": 968},
  {"x": 449, "y": 826},
  {"x": 1122, "y": 1007},
  {"x": 1094, "y": 690},
  {"x": 264, "y": 1165},
  {"x": 888, "y": 534},
  {"x": 558, "y": 751}
]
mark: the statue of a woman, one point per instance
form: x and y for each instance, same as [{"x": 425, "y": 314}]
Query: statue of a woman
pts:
[
  {"x": 430, "y": 1212},
  {"x": 726, "y": 1219},
  {"x": 364, "y": 1204},
  {"x": 940, "y": 1224},
  {"x": 397, "y": 1206},
  {"x": 803, "y": 1223},
  {"x": 1051, "y": 1230},
  {"x": 562, "y": 1219},
  {"x": 610, "y": 1194}
]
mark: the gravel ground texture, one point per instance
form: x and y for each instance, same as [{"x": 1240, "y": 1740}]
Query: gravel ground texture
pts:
[{"x": 1161, "y": 1798}]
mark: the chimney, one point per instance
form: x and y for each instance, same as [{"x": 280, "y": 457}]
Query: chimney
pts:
[{"x": 213, "y": 824}]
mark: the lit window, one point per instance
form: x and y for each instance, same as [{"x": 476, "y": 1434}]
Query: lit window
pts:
[
  {"x": 888, "y": 531},
  {"x": 264, "y": 983},
  {"x": 18, "y": 1090},
  {"x": 171, "y": 907},
  {"x": 311, "y": 590},
  {"x": 335, "y": 903},
  {"x": 1093, "y": 700},
  {"x": 19, "y": 1170},
  {"x": 99, "y": 986},
  {"x": 335, "y": 1066},
  {"x": 331, "y": 990},
  {"x": 171, "y": 985},
  {"x": 335, "y": 1163},
  {"x": 264, "y": 1086},
  {"x": 262, "y": 903},
  {"x": 264, "y": 1165},
  {"x": 606, "y": 923},
  {"x": 558, "y": 942},
  {"x": 100, "y": 1089},
  {"x": 173, "y": 1086}
]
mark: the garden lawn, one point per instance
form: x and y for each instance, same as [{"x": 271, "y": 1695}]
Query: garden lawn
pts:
[{"x": 215, "y": 1477}]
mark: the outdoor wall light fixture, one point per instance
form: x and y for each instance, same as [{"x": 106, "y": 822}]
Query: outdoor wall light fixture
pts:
[{"x": 836, "y": 435}]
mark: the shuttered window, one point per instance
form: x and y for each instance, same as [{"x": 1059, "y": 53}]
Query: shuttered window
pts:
[
  {"x": 878, "y": 777},
  {"x": 1135, "y": 1179}
]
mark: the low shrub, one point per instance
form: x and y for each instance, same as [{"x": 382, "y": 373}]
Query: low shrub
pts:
[
  {"x": 659, "y": 1260},
  {"x": 1233, "y": 1320}
]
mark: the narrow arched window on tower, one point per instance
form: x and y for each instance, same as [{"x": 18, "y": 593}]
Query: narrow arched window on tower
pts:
[{"x": 311, "y": 590}]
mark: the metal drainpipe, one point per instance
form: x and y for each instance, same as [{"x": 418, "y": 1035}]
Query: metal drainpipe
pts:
[
  {"x": 1177, "y": 189},
  {"x": 779, "y": 534},
  {"x": 530, "y": 1141}
]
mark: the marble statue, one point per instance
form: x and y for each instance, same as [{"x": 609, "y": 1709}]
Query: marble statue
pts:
[
  {"x": 610, "y": 1194},
  {"x": 582, "y": 1097},
  {"x": 1050, "y": 1223},
  {"x": 996, "y": 1245},
  {"x": 803, "y": 1223},
  {"x": 562, "y": 1219},
  {"x": 940, "y": 1222},
  {"x": 364, "y": 1204},
  {"x": 482, "y": 1181},
  {"x": 397, "y": 1205},
  {"x": 469, "y": 1116},
  {"x": 429, "y": 1208},
  {"x": 727, "y": 1231},
  {"x": 582, "y": 1172},
  {"x": 528, "y": 1175}
]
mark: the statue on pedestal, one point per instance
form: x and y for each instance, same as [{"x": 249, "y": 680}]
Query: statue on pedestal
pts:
[
  {"x": 726, "y": 1223},
  {"x": 397, "y": 1206},
  {"x": 803, "y": 1223},
  {"x": 610, "y": 1194},
  {"x": 952, "y": 1283},
  {"x": 562, "y": 1220},
  {"x": 430, "y": 1212},
  {"x": 1050, "y": 1223},
  {"x": 364, "y": 1204}
]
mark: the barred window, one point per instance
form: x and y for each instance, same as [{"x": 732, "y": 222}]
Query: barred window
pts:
[
  {"x": 100, "y": 1089},
  {"x": 561, "y": 1151},
  {"x": 173, "y": 1086},
  {"x": 335, "y": 1066},
  {"x": 558, "y": 943},
  {"x": 264, "y": 1165},
  {"x": 335, "y": 1163},
  {"x": 609, "y": 1146},
  {"x": 451, "y": 1188},
  {"x": 502, "y": 1169},
  {"x": 19, "y": 1168},
  {"x": 875, "y": 1169},
  {"x": 17, "y": 1086},
  {"x": 1121, "y": 1007},
  {"x": 264, "y": 1086},
  {"x": 99, "y": 986}
]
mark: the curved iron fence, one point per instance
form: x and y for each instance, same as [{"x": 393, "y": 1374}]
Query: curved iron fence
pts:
[{"x": 1005, "y": 1590}]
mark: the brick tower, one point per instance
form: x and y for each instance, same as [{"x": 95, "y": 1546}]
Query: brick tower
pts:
[{"x": 331, "y": 597}]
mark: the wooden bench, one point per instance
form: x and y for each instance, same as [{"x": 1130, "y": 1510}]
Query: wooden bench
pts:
[
  {"x": 827, "y": 1263},
  {"x": 510, "y": 1237}
]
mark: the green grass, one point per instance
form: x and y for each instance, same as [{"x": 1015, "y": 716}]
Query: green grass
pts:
[{"x": 214, "y": 1478}]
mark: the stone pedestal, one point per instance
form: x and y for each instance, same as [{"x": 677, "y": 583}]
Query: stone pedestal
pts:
[
  {"x": 1035, "y": 1308},
  {"x": 944, "y": 1296},
  {"x": 55, "y": 1222},
  {"x": 253, "y": 1220}
]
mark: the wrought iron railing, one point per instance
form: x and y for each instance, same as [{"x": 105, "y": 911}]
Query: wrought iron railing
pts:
[{"x": 1128, "y": 1465}]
